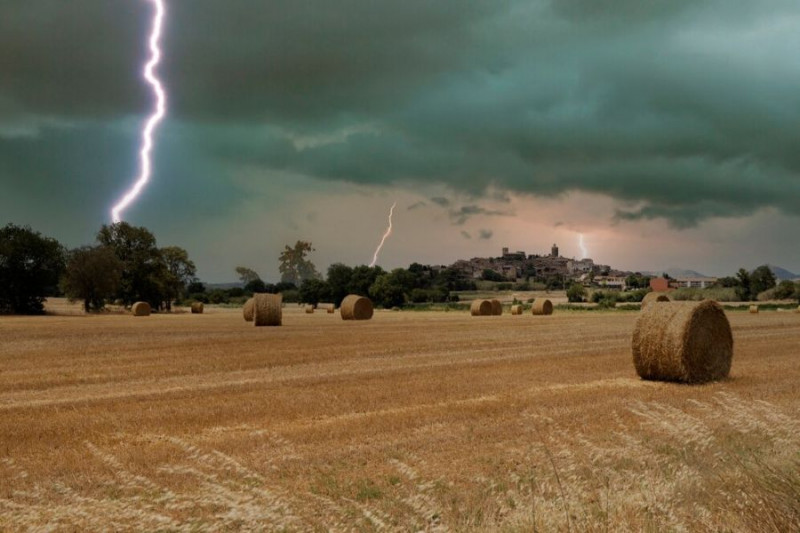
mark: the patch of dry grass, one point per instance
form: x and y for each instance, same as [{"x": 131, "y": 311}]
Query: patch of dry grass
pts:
[{"x": 411, "y": 421}]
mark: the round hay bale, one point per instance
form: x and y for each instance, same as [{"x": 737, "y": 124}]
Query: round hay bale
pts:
[
  {"x": 309, "y": 309},
  {"x": 753, "y": 309},
  {"x": 542, "y": 306},
  {"x": 516, "y": 309},
  {"x": 247, "y": 310},
  {"x": 355, "y": 307},
  {"x": 267, "y": 309},
  {"x": 197, "y": 308},
  {"x": 330, "y": 308},
  {"x": 651, "y": 297},
  {"x": 688, "y": 342},
  {"x": 497, "y": 307},
  {"x": 797, "y": 310},
  {"x": 480, "y": 308},
  {"x": 140, "y": 309}
]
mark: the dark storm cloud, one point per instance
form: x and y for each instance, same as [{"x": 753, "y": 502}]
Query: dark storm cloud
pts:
[
  {"x": 440, "y": 201},
  {"x": 682, "y": 109},
  {"x": 416, "y": 205},
  {"x": 464, "y": 213},
  {"x": 485, "y": 234}
]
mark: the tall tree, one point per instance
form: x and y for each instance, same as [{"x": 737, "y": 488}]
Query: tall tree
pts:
[
  {"x": 30, "y": 267},
  {"x": 339, "y": 278},
  {"x": 180, "y": 271},
  {"x": 144, "y": 272},
  {"x": 743, "y": 289},
  {"x": 294, "y": 267},
  {"x": 247, "y": 275},
  {"x": 762, "y": 279},
  {"x": 93, "y": 275}
]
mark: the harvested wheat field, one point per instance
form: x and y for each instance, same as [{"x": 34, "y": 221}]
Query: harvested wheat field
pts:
[{"x": 412, "y": 421}]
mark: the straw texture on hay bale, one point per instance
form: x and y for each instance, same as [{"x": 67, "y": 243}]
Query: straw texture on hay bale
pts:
[
  {"x": 197, "y": 308},
  {"x": 309, "y": 309},
  {"x": 267, "y": 309},
  {"x": 497, "y": 307},
  {"x": 651, "y": 297},
  {"x": 542, "y": 306},
  {"x": 480, "y": 308},
  {"x": 516, "y": 309},
  {"x": 140, "y": 309},
  {"x": 753, "y": 309},
  {"x": 688, "y": 342},
  {"x": 355, "y": 307},
  {"x": 247, "y": 310}
]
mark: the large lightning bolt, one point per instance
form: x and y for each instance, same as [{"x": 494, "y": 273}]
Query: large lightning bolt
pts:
[
  {"x": 385, "y": 236},
  {"x": 155, "y": 117},
  {"x": 582, "y": 246}
]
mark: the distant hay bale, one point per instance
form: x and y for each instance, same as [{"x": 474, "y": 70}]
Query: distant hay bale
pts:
[
  {"x": 197, "y": 308},
  {"x": 355, "y": 307},
  {"x": 267, "y": 309},
  {"x": 480, "y": 308},
  {"x": 330, "y": 308},
  {"x": 651, "y": 297},
  {"x": 516, "y": 309},
  {"x": 688, "y": 342},
  {"x": 753, "y": 309},
  {"x": 309, "y": 309},
  {"x": 140, "y": 309},
  {"x": 497, "y": 307},
  {"x": 247, "y": 310},
  {"x": 542, "y": 306}
]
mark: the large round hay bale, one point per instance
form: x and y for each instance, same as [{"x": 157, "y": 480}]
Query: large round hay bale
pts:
[
  {"x": 516, "y": 309},
  {"x": 140, "y": 309},
  {"x": 480, "y": 308},
  {"x": 267, "y": 309},
  {"x": 753, "y": 309},
  {"x": 247, "y": 310},
  {"x": 689, "y": 342},
  {"x": 355, "y": 307},
  {"x": 497, "y": 307},
  {"x": 309, "y": 309},
  {"x": 651, "y": 297},
  {"x": 197, "y": 308},
  {"x": 542, "y": 306}
]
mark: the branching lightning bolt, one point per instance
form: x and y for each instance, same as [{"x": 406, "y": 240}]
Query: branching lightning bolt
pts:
[
  {"x": 385, "y": 236},
  {"x": 155, "y": 118},
  {"x": 584, "y": 252}
]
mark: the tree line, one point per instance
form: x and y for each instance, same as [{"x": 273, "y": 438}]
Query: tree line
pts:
[{"x": 124, "y": 265}]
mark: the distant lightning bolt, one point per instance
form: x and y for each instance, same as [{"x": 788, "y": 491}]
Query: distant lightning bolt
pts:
[
  {"x": 385, "y": 236},
  {"x": 155, "y": 118},
  {"x": 582, "y": 246}
]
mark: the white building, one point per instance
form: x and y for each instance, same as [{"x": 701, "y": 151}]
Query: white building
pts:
[
  {"x": 695, "y": 283},
  {"x": 580, "y": 267}
]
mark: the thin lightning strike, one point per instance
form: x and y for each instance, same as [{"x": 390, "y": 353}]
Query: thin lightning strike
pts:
[
  {"x": 385, "y": 236},
  {"x": 584, "y": 252},
  {"x": 155, "y": 118}
]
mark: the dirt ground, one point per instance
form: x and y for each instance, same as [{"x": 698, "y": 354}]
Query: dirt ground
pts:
[{"x": 432, "y": 421}]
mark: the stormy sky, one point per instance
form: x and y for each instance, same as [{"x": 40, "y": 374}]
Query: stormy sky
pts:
[{"x": 666, "y": 131}]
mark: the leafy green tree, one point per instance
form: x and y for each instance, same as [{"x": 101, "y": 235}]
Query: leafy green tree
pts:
[
  {"x": 180, "y": 271},
  {"x": 727, "y": 282},
  {"x": 490, "y": 275},
  {"x": 743, "y": 287},
  {"x": 93, "y": 275},
  {"x": 256, "y": 285},
  {"x": 762, "y": 279},
  {"x": 576, "y": 293},
  {"x": 144, "y": 272},
  {"x": 389, "y": 289},
  {"x": 30, "y": 267},
  {"x": 339, "y": 278},
  {"x": 313, "y": 291},
  {"x": 294, "y": 267},
  {"x": 785, "y": 290},
  {"x": 361, "y": 279},
  {"x": 247, "y": 275}
]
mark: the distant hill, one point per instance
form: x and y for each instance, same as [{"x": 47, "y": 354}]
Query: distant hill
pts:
[
  {"x": 782, "y": 273},
  {"x": 676, "y": 272}
]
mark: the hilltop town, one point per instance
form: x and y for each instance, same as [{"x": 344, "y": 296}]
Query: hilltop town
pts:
[{"x": 519, "y": 266}]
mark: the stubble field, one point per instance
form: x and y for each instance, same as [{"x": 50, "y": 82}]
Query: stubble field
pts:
[{"x": 412, "y": 421}]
